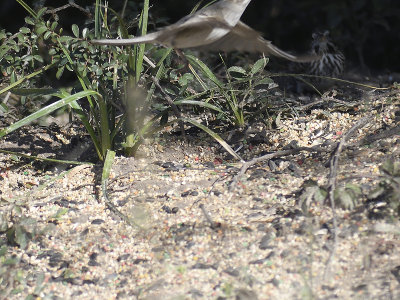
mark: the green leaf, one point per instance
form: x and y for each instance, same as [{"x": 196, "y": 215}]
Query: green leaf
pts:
[
  {"x": 215, "y": 136},
  {"x": 354, "y": 188},
  {"x": 3, "y": 52},
  {"x": 27, "y": 58},
  {"x": 376, "y": 192},
  {"x": 15, "y": 82},
  {"x": 29, "y": 21},
  {"x": 185, "y": 79},
  {"x": 344, "y": 199},
  {"x": 47, "y": 110},
  {"x": 3, "y": 223},
  {"x": 47, "y": 35},
  {"x": 41, "y": 29},
  {"x": 10, "y": 261},
  {"x": 22, "y": 237},
  {"x": 69, "y": 68},
  {"x": 65, "y": 38},
  {"x": 85, "y": 32},
  {"x": 3, "y": 250},
  {"x": 236, "y": 69},
  {"x": 4, "y": 108},
  {"x": 266, "y": 80},
  {"x": 108, "y": 162},
  {"x": 391, "y": 168},
  {"x": 33, "y": 91},
  {"x": 24, "y": 30},
  {"x": 320, "y": 195},
  {"x": 259, "y": 65},
  {"x": 75, "y": 30},
  {"x": 199, "y": 103},
  {"x": 206, "y": 70},
  {"x": 13, "y": 77},
  {"x": 41, "y": 12},
  {"x": 170, "y": 91},
  {"x": 38, "y": 58},
  {"x": 17, "y": 235},
  {"x": 61, "y": 212},
  {"x": 39, "y": 283},
  {"x": 54, "y": 25}
]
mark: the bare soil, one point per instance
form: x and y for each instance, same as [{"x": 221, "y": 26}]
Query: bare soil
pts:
[{"x": 196, "y": 236}]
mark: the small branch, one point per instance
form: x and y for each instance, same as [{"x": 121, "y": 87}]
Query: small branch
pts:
[
  {"x": 213, "y": 224},
  {"x": 269, "y": 156},
  {"x": 382, "y": 135},
  {"x": 173, "y": 106},
  {"x": 113, "y": 208},
  {"x": 70, "y": 4},
  {"x": 332, "y": 180}
]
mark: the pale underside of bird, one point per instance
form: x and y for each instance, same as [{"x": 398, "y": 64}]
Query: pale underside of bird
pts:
[{"x": 216, "y": 27}]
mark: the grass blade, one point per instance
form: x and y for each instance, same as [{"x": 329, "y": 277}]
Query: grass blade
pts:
[
  {"x": 215, "y": 136},
  {"x": 199, "y": 103},
  {"x": 21, "y": 80},
  {"x": 46, "y": 110}
]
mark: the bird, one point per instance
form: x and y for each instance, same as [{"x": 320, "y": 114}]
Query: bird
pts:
[
  {"x": 216, "y": 27},
  {"x": 329, "y": 64},
  {"x": 331, "y": 61}
]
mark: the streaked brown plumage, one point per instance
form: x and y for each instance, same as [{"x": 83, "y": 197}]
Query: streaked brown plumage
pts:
[{"x": 331, "y": 61}]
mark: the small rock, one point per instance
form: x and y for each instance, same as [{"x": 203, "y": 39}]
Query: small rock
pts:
[
  {"x": 232, "y": 272},
  {"x": 265, "y": 241},
  {"x": 202, "y": 266},
  {"x": 97, "y": 221},
  {"x": 396, "y": 273},
  {"x": 123, "y": 257},
  {"x": 243, "y": 294}
]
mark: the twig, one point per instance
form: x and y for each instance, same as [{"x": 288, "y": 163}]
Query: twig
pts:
[
  {"x": 213, "y": 224},
  {"x": 333, "y": 79},
  {"x": 70, "y": 4},
  {"x": 332, "y": 179},
  {"x": 382, "y": 135},
  {"x": 113, "y": 208},
  {"x": 173, "y": 106},
  {"x": 269, "y": 156}
]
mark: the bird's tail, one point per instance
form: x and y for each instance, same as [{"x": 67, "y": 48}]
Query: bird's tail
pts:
[
  {"x": 148, "y": 38},
  {"x": 273, "y": 50}
]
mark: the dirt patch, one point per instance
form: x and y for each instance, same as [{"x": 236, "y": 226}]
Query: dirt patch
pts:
[{"x": 196, "y": 239}]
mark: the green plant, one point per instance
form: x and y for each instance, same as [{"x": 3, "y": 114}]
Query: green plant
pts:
[
  {"x": 20, "y": 55},
  {"x": 97, "y": 73},
  {"x": 116, "y": 83},
  {"x": 20, "y": 230},
  {"x": 387, "y": 191},
  {"x": 227, "y": 289},
  {"x": 346, "y": 197},
  {"x": 243, "y": 87}
]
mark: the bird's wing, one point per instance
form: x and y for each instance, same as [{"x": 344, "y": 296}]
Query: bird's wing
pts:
[
  {"x": 189, "y": 32},
  {"x": 161, "y": 36},
  {"x": 201, "y": 28},
  {"x": 228, "y": 10},
  {"x": 194, "y": 32},
  {"x": 244, "y": 38}
]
